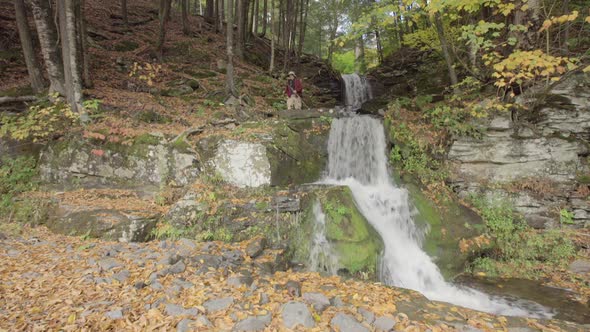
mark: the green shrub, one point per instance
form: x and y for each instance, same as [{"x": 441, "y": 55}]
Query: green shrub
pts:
[
  {"x": 40, "y": 122},
  {"x": 516, "y": 248},
  {"x": 17, "y": 175}
]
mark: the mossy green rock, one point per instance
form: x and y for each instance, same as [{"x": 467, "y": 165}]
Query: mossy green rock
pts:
[
  {"x": 353, "y": 239},
  {"x": 297, "y": 152}
]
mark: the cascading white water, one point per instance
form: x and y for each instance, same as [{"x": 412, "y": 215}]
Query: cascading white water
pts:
[
  {"x": 357, "y": 91},
  {"x": 357, "y": 159},
  {"x": 321, "y": 255}
]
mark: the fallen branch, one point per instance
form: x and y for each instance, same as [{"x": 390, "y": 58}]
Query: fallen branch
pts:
[{"x": 19, "y": 99}]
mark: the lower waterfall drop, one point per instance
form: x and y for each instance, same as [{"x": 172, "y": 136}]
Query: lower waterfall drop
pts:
[
  {"x": 321, "y": 255},
  {"x": 357, "y": 159}
]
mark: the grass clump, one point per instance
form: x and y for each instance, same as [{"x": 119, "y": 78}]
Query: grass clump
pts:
[{"x": 513, "y": 248}]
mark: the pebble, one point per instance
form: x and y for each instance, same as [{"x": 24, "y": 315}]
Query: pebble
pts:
[
  {"x": 218, "y": 304},
  {"x": 238, "y": 281},
  {"x": 109, "y": 264},
  {"x": 384, "y": 323},
  {"x": 346, "y": 323},
  {"x": 121, "y": 276},
  {"x": 296, "y": 313},
  {"x": 184, "y": 325},
  {"x": 114, "y": 314},
  {"x": 176, "y": 310},
  {"x": 250, "y": 324},
  {"x": 183, "y": 283},
  {"x": 177, "y": 268},
  {"x": 255, "y": 247},
  {"x": 367, "y": 315}
]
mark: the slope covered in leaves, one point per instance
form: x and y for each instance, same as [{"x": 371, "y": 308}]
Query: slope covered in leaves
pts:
[{"x": 51, "y": 282}]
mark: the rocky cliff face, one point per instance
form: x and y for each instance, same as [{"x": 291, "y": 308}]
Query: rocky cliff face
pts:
[{"x": 540, "y": 164}]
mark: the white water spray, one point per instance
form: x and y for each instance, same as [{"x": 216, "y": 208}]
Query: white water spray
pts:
[
  {"x": 321, "y": 255},
  {"x": 357, "y": 159},
  {"x": 357, "y": 91}
]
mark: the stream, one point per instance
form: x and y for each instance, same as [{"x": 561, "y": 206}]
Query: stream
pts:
[{"x": 357, "y": 159}]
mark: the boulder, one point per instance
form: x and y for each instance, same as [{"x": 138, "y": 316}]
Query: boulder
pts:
[
  {"x": 147, "y": 161},
  {"x": 242, "y": 164},
  {"x": 296, "y": 314},
  {"x": 295, "y": 152},
  {"x": 108, "y": 224},
  {"x": 353, "y": 241},
  {"x": 346, "y": 323}
]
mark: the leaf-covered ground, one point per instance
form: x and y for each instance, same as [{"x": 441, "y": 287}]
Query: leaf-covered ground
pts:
[{"x": 50, "y": 282}]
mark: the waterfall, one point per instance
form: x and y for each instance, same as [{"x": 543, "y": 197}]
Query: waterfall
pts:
[
  {"x": 357, "y": 159},
  {"x": 357, "y": 91},
  {"x": 321, "y": 255}
]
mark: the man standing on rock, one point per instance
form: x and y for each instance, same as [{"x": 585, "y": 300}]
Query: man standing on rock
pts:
[{"x": 294, "y": 91}]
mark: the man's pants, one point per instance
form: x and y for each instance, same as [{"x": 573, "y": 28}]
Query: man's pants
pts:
[{"x": 294, "y": 102}]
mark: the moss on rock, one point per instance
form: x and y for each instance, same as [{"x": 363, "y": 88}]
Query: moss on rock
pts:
[{"x": 354, "y": 241}]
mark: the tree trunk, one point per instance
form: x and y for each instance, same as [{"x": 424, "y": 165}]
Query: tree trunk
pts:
[
  {"x": 85, "y": 56},
  {"x": 230, "y": 86},
  {"x": 216, "y": 15},
  {"x": 273, "y": 30},
  {"x": 250, "y": 19},
  {"x": 184, "y": 12},
  {"x": 294, "y": 24},
  {"x": 379, "y": 45},
  {"x": 241, "y": 25},
  {"x": 264, "y": 17},
  {"x": 47, "y": 32},
  {"x": 256, "y": 20},
  {"x": 445, "y": 48},
  {"x": 566, "y": 31},
  {"x": 303, "y": 27},
  {"x": 73, "y": 7},
  {"x": 359, "y": 55},
  {"x": 220, "y": 15},
  {"x": 287, "y": 33},
  {"x": 209, "y": 10},
  {"x": 165, "y": 5},
  {"x": 63, "y": 33},
  {"x": 333, "y": 28},
  {"x": 24, "y": 33},
  {"x": 124, "y": 12}
]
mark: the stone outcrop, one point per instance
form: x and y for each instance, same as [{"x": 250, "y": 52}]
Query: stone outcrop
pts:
[
  {"x": 295, "y": 152},
  {"x": 549, "y": 148},
  {"x": 409, "y": 72},
  {"x": 352, "y": 239},
  {"x": 108, "y": 224},
  {"x": 153, "y": 163}
]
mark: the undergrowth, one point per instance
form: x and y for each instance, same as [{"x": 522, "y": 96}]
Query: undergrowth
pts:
[{"x": 513, "y": 248}]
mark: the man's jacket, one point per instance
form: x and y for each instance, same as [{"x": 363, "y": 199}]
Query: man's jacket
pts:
[{"x": 294, "y": 86}]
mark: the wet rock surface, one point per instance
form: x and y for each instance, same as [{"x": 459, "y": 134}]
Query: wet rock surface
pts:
[{"x": 93, "y": 284}]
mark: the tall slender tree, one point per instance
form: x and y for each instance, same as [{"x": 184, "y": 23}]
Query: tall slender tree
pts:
[
  {"x": 124, "y": 15},
  {"x": 184, "y": 13},
  {"x": 230, "y": 86},
  {"x": 47, "y": 32},
  {"x": 165, "y": 12},
  {"x": 24, "y": 32},
  {"x": 241, "y": 22}
]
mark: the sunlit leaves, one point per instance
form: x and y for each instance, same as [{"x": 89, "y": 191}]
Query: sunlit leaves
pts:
[
  {"x": 40, "y": 122},
  {"x": 523, "y": 67},
  {"x": 558, "y": 20}
]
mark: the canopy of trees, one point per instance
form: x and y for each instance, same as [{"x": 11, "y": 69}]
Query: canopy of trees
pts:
[{"x": 512, "y": 44}]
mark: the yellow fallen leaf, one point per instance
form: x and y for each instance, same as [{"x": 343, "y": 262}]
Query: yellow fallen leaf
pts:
[{"x": 72, "y": 319}]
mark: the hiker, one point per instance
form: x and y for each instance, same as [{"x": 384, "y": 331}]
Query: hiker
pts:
[{"x": 294, "y": 91}]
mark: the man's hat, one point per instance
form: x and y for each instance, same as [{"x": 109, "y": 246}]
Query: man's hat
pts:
[{"x": 291, "y": 73}]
